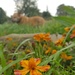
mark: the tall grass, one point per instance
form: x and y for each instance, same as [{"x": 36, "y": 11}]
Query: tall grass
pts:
[{"x": 51, "y": 26}]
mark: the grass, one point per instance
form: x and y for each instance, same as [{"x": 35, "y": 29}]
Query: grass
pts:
[
  {"x": 51, "y": 26},
  {"x": 59, "y": 56},
  {"x": 59, "y": 65}
]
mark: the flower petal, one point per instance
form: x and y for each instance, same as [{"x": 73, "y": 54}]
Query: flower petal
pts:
[
  {"x": 35, "y": 72},
  {"x": 72, "y": 36},
  {"x": 21, "y": 72},
  {"x": 37, "y": 61},
  {"x": 24, "y": 63},
  {"x": 17, "y": 72},
  {"x": 43, "y": 68}
]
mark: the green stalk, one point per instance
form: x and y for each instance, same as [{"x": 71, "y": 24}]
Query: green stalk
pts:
[
  {"x": 3, "y": 60},
  {"x": 56, "y": 55},
  {"x": 14, "y": 62},
  {"x": 20, "y": 46}
]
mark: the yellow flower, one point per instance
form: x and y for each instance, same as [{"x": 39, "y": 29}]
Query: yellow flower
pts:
[
  {"x": 67, "y": 29},
  {"x": 32, "y": 67},
  {"x": 54, "y": 51},
  {"x": 65, "y": 56}
]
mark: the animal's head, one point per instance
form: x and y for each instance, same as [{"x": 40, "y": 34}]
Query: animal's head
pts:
[{"x": 16, "y": 17}]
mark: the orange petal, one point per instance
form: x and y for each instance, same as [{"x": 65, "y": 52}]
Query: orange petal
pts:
[
  {"x": 34, "y": 61},
  {"x": 69, "y": 57},
  {"x": 17, "y": 72},
  {"x": 72, "y": 36},
  {"x": 67, "y": 29},
  {"x": 37, "y": 61},
  {"x": 21, "y": 72},
  {"x": 54, "y": 51},
  {"x": 47, "y": 51},
  {"x": 35, "y": 72},
  {"x": 43, "y": 68},
  {"x": 24, "y": 63}
]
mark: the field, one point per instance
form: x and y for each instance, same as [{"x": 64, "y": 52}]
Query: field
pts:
[{"x": 39, "y": 55}]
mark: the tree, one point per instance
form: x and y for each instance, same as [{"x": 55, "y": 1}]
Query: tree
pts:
[
  {"x": 46, "y": 14},
  {"x": 3, "y": 16},
  {"x": 64, "y": 10},
  {"x": 28, "y": 7}
]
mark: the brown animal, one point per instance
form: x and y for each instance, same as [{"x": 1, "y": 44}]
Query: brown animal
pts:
[{"x": 35, "y": 20}]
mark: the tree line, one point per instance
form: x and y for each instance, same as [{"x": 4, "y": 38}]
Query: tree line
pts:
[{"x": 29, "y": 8}]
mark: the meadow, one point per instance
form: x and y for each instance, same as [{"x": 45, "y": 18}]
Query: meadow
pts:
[
  {"x": 55, "y": 25},
  {"x": 39, "y": 55}
]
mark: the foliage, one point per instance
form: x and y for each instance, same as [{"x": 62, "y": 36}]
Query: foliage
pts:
[
  {"x": 40, "y": 53},
  {"x": 64, "y": 10},
  {"x": 50, "y": 26},
  {"x": 3, "y": 16},
  {"x": 65, "y": 20},
  {"x": 28, "y": 7},
  {"x": 46, "y": 15},
  {"x": 55, "y": 25},
  {"x": 58, "y": 56}
]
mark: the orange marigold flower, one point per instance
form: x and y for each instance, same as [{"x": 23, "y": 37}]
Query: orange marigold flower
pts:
[
  {"x": 31, "y": 66},
  {"x": 9, "y": 39},
  {"x": 59, "y": 41},
  {"x": 65, "y": 56},
  {"x": 47, "y": 37},
  {"x": 45, "y": 46},
  {"x": 42, "y": 36},
  {"x": 27, "y": 51},
  {"x": 73, "y": 34},
  {"x": 67, "y": 29},
  {"x": 54, "y": 51},
  {"x": 69, "y": 57},
  {"x": 37, "y": 37},
  {"x": 48, "y": 50}
]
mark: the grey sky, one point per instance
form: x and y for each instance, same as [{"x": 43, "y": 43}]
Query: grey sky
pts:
[{"x": 9, "y": 5}]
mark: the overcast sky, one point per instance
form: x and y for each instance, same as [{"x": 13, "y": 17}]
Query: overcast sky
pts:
[{"x": 9, "y": 5}]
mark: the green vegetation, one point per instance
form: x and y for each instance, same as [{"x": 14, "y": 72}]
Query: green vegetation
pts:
[
  {"x": 50, "y": 57},
  {"x": 65, "y": 20},
  {"x": 64, "y": 10},
  {"x": 56, "y": 25},
  {"x": 3, "y": 17},
  {"x": 42, "y": 55},
  {"x": 51, "y": 27}
]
